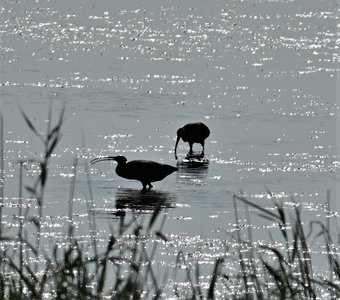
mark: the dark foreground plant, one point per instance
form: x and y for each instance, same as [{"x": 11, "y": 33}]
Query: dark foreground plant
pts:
[{"x": 288, "y": 273}]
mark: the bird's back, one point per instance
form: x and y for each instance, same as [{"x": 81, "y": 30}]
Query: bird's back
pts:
[
  {"x": 197, "y": 132},
  {"x": 145, "y": 170}
]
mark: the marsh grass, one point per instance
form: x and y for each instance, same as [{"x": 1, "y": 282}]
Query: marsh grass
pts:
[
  {"x": 288, "y": 272},
  {"x": 125, "y": 268}
]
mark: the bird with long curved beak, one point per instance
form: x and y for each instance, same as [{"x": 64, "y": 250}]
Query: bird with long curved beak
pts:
[
  {"x": 146, "y": 171},
  {"x": 193, "y": 133}
]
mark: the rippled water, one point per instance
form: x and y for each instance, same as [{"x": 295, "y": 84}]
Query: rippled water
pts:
[{"x": 261, "y": 74}]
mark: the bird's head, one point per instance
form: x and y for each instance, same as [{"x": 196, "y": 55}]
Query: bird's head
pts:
[
  {"x": 180, "y": 132},
  {"x": 120, "y": 159}
]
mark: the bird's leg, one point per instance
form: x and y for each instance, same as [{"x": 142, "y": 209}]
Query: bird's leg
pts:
[
  {"x": 144, "y": 187},
  {"x": 190, "y": 152},
  {"x": 202, "y": 154}
]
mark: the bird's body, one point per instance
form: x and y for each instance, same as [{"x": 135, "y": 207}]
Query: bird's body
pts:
[
  {"x": 146, "y": 171},
  {"x": 193, "y": 133}
]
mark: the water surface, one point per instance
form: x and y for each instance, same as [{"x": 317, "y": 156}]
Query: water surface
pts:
[{"x": 261, "y": 74}]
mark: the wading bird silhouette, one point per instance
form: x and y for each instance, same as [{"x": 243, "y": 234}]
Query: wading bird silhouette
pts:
[
  {"x": 146, "y": 171},
  {"x": 192, "y": 133}
]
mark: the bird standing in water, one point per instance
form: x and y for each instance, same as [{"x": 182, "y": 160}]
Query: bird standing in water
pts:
[
  {"x": 146, "y": 171},
  {"x": 192, "y": 133}
]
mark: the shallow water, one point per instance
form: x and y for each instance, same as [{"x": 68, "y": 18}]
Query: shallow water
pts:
[{"x": 261, "y": 74}]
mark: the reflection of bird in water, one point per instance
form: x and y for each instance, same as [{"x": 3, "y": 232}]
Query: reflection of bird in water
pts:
[
  {"x": 192, "y": 133},
  {"x": 192, "y": 171},
  {"x": 135, "y": 200},
  {"x": 146, "y": 171}
]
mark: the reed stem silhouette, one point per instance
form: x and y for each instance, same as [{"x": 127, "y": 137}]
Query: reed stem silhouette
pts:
[{"x": 2, "y": 169}]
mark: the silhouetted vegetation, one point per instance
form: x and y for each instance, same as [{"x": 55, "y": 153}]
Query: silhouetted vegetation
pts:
[
  {"x": 122, "y": 270},
  {"x": 287, "y": 274}
]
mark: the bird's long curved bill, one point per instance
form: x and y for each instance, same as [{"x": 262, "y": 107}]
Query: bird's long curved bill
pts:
[{"x": 93, "y": 161}]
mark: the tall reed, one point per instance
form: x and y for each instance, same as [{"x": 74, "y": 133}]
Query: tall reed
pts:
[
  {"x": 291, "y": 270},
  {"x": 2, "y": 170}
]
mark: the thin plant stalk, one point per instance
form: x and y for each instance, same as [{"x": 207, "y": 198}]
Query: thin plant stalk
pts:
[
  {"x": 91, "y": 218},
  {"x": 53, "y": 136},
  {"x": 71, "y": 200},
  {"x": 2, "y": 170},
  {"x": 215, "y": 275},
  {"x": 21, "y": 250},
  {"x": 255, "y": 278},
  {"x": 90, "y": 207},
  {"x": 240, "y": 254}
]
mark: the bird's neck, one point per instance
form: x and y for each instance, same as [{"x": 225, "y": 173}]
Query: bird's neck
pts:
[{"x": 120, "y": 168}]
